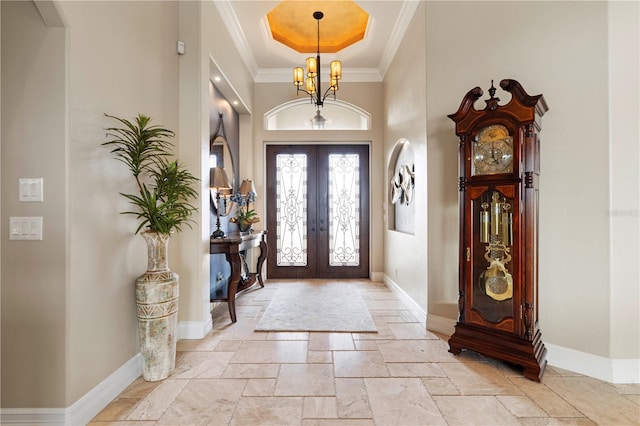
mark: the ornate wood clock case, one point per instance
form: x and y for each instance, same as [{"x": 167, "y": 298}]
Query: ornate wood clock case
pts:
[{"x": 498, "y": 279}]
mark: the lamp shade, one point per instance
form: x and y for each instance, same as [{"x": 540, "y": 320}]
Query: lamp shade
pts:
[
  {"x": 247, "y": 186},
  {"x": 336, "y": 70},
  {"x": 218, "y": 178},
  {"x": 298, "y": 76},
  {"x": 312, "y": 67}
]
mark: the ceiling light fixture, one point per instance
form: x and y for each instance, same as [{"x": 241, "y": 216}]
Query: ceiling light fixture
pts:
[
  {"x": 311, "y": 85},
  {"x": 317, "y": 122}
]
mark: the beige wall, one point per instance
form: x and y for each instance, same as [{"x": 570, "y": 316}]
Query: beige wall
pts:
[
  {"x": 33, "y": 272},
  {"x": 405, "y": 255},
  {"x": 122, "y": 65},
  {"x": 582, "y": 287},
  {"x": 624, "y": 158}
]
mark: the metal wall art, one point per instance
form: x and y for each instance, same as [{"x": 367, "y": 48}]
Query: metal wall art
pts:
[{"x": 402, "y": 185}]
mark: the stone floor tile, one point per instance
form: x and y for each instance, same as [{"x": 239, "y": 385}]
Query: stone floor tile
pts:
[
  {"x": 366, "y": 345},
  {"x": 271, "y": 351},
  {"x": 287, "y": 336},
  {"x": 385, "y": 304},
  {"x": 474, "y": 410},
  {"x": 598, "y": 400},
  {"x": 331, "y": 342},
  {"x": 268, "y": 411},
  {"x": 259, "y": 387},
  {"x": 359, "y": 364},
  {"x": 410, "y": 330},
  {"x": 417, "y": 380},
  {"x": 319, "y": 357},
  {"x": 206, "y": 344},
  {"x": 415, "y": 351},
  {"x": 140, "y": 388},
  {"x": 251, "y": 371},
  {"x": 320, "y": 408},
  {"x": 415, "y": 369},
  {"x": 549, "y": 401},
  {"x": 627, "y": 388},
  {"x": 521, "y": 406},
  {"x": 477, "y": 378},
  {"x": 122, "y": 423},
  {"x": 116, "y": 410},
  {"x": 228, "y": 346},
  {"x": 337, "y": 422},
  {"x": 204, "y": 402},
  {"x": 401, "y": 401},
  {"x": 156, "y": 403},
  {"x": 555, "y": 421},
  {"x": 352, "y": 399},
  {"x": 440, "y": 386},
  {"x": 305, "y": 380},
  {"x": 209, "y": 365},
  {"x": 633, "y": 398}
]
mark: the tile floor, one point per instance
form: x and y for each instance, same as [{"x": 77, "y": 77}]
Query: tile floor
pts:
[{"x": 403, "y": 375}]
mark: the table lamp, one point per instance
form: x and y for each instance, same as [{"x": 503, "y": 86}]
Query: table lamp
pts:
[{"x": 218, "y": 181}]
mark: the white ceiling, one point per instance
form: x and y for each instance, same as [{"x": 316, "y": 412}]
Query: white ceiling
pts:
[{"x": 270, "y": 61}]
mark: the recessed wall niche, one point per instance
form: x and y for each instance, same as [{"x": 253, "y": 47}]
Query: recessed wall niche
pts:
[{"x": 401, "y": 187}]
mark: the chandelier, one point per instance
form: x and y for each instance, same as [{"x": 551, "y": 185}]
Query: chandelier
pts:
[{"x": 312, "y": 84}]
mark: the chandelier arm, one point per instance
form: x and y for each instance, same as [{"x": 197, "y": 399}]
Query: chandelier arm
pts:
[{"x": 317, "y": 97}]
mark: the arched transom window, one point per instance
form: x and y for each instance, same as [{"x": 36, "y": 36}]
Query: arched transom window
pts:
[{"x": 300, "y": 115}]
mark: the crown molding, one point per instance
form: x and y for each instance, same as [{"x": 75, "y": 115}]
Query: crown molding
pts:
[
  {"x": 237, "y": 35},
  {"x": 399, "y": 30}
]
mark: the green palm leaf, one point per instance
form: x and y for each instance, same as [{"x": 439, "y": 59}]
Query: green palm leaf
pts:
[{"x": 164, "y": 205}]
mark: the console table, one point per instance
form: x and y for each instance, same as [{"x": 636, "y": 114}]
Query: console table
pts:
[{"x": 231, "y": 246}]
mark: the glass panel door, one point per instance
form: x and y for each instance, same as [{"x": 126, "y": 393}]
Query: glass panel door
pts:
[
  {"x": 291, "y": 209},
  {"x": 320, "y": 211},
  {"x": 344, "y": 203}
]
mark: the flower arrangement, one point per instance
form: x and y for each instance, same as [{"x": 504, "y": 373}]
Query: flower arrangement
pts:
[{"x": 245, "y": 216}]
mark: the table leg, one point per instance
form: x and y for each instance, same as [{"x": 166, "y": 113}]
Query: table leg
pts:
[
  {"x": 264, "y": 251},
  {"x": 234, "y": 262}
]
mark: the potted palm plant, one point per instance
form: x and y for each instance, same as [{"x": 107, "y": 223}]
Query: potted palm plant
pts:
[{"x": 163, "y": 206}]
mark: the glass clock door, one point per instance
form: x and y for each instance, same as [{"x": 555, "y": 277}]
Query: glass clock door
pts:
[{"x": 492, "y": 277}]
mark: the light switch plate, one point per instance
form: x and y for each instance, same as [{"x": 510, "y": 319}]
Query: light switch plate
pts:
[
  {"x": 31, "y": 189},
  {"x": 25, "y": 228}
]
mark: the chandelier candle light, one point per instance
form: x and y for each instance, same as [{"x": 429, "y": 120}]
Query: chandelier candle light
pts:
[{"x": 311, "y": 85}]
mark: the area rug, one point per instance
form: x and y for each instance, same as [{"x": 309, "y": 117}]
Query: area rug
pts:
[{"x": 331, "y": 307}]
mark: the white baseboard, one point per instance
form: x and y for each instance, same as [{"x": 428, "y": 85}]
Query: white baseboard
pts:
[
  {"x": 414, "y": 308},
  {"x": 194, "y": 329},
  {"x": 607, "y": 369},
  {"x": 83, "y": 410},
  {"x": 440, "y": 324}
]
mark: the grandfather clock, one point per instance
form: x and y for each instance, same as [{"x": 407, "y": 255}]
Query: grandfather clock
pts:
[{"x": 498, "y": 271}]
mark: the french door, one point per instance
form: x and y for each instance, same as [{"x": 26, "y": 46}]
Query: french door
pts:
[{"x": 318, "y": 211}]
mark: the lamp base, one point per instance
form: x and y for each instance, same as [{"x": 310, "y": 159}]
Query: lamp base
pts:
[{"x": 218, "y": 233}]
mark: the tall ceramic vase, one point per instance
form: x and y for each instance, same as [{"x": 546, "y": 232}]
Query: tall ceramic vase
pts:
[{"x": 157, "y": 306}]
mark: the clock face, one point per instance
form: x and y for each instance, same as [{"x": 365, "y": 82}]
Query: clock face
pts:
[{"x": 493, "y": 151}]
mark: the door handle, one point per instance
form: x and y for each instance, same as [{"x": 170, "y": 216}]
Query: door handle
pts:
[{"x": 322, "y": 228}]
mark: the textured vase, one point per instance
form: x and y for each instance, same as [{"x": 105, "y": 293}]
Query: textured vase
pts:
[
  {"x": 245, "y": 226},
  {"x": 157, "y": 306}
]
